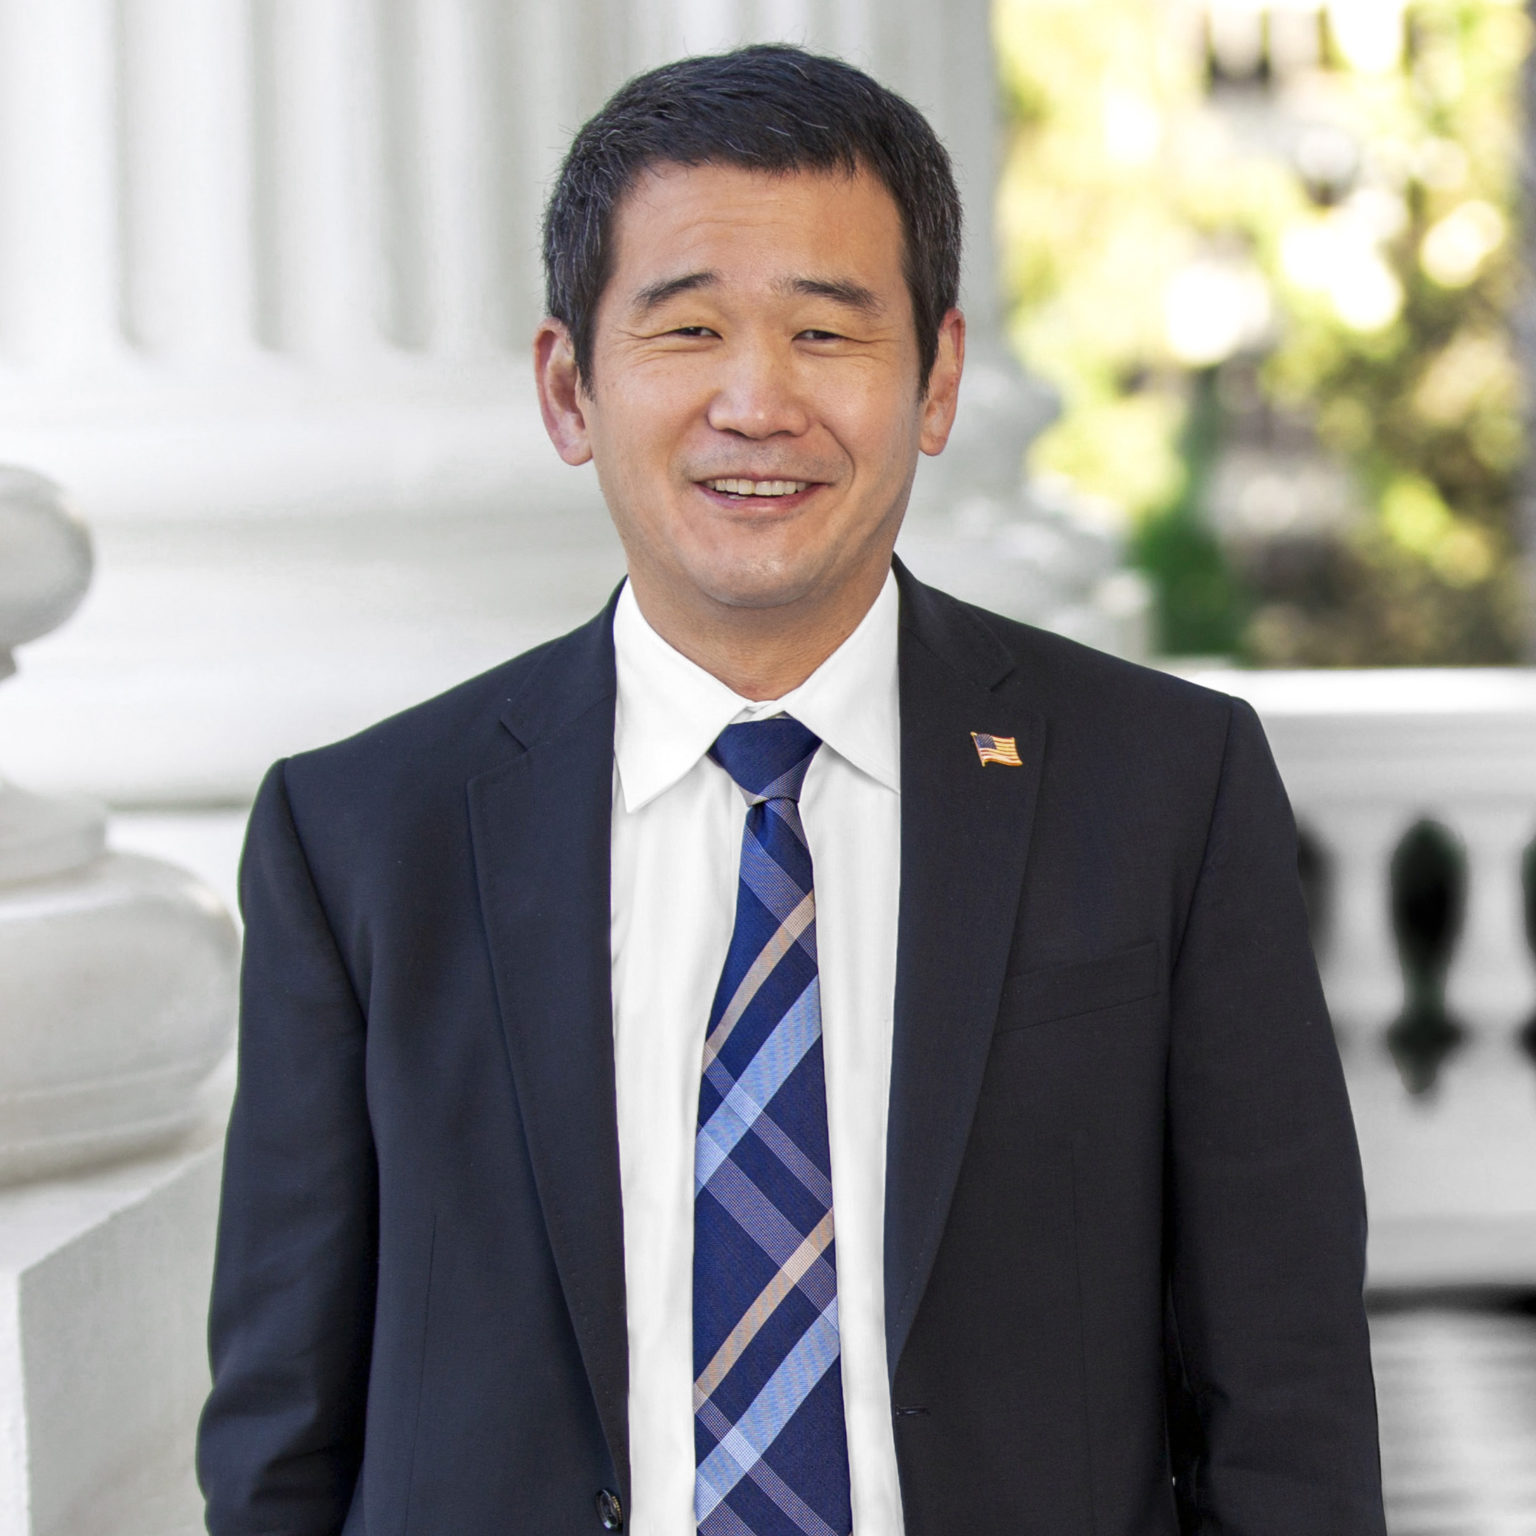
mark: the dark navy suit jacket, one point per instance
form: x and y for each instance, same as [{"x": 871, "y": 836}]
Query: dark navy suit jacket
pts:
[{"x": 1124, "y": 1220}]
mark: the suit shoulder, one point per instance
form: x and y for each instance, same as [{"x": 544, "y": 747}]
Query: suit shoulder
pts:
[
  {"x": 1070, "y": 680},
  {"x": 455, "y": 734},
  {"x": 1072, "y": 670}
]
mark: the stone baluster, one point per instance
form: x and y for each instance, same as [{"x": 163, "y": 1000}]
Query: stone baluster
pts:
[
  {"x": 117, "y": 982},
  {"x": 1428, "y": 887},
  {"x": 188, "y": 282},
  {"x": 44, "y": 573},
  {"x": 116, "y": 972},
  {"x": 58, "y": 195},
  {"x": 1491, "y": 990},
  {"x": 1358, "y": 952},
  {"x": 1528, "y": 892}
]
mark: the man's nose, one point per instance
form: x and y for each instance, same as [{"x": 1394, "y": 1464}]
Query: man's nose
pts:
[{"x": 759, "y": 394}]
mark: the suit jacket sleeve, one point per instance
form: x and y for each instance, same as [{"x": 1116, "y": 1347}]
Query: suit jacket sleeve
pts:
[
  {"x": 1265, "y": 1203},
  {"x": 281, "y": 1436}
]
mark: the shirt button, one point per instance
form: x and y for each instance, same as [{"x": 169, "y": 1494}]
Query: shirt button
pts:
[{"x": 609, "y": 1510}]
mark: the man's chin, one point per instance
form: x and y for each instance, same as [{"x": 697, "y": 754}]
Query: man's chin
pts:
[
  {"x": 765, "y": 587},
  {"x": 796, "y": 584}
]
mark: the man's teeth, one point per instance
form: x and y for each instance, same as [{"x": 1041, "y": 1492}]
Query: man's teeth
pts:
[{"x": 757, "y": 487}]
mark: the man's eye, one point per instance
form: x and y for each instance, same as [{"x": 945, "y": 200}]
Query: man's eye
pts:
[
  {"x": 821, "y": 335},
  {"x": 692, "y": 330}
]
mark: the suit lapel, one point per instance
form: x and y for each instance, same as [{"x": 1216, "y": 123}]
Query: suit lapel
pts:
[
  {"x": 965, "y": 832},
  {"x": 540, "y": 825}
]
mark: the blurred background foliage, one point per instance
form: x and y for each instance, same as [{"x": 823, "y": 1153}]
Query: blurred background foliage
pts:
[{"x": 1268, "y": 255}]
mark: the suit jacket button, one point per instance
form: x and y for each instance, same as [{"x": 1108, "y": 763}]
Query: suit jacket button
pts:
[{"x": 609, "y": 1510}]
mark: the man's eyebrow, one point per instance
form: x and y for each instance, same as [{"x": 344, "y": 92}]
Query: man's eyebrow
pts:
[
  {"x": 839, "y": 290},
  {"x": 653, "y": 295}
]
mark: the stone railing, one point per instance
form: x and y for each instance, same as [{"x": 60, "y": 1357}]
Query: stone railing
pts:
[
  {"x": 116, "y": 1006},
  {"x": 1415, "y": 792}
]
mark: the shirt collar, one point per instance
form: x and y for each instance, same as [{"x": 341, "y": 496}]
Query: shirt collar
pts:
[{"x": 670, "y": 709}]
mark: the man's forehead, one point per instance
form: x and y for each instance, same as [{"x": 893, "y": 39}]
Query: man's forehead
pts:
[
  {"x": 677, "y": 224},
  {"x": 667, "y": 188}
]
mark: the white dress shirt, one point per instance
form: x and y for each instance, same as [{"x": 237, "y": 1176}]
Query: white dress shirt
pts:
[{"x": 677, "y": 828}]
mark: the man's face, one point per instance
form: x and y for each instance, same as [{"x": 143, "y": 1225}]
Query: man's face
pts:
[{"x": 754, "y": 410}]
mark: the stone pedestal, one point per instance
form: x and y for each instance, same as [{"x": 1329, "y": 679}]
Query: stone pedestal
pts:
[
  {"x": 115, "y": 1004},
  {"x": 103, "y": 1358}
]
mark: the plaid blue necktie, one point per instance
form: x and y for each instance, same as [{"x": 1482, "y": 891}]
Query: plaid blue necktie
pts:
[{"x": 768, "y": 1384}]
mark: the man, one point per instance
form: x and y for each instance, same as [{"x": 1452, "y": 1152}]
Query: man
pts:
[{"x": 788, "y": 898}]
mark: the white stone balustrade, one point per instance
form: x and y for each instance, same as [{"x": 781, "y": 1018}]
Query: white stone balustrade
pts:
[
  {"x": 1451, "y": 1172},
  {"x": 116, "y": 1005}
]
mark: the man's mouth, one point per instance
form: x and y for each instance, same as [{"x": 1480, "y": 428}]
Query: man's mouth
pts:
[{"x": 738, "y": 487}]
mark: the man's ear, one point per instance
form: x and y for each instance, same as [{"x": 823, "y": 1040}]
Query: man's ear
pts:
[
  {"x": 943, "y": 384},
  {"x": 560, "y": 393}
]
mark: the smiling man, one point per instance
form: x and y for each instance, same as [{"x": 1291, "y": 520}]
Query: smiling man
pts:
[
  {"x": 756, "y": 395},
  {"x": 798, "y": 1055}
]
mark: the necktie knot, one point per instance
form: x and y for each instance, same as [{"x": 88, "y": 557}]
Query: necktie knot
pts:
[{"x": 768, "y": 759}]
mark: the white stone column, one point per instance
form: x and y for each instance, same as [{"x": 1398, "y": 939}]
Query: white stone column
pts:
[
  {"x": 791, "y": 21},
  {"x": 58, "y": 194},
  {"x": 457, "y": 124},
  {"x": 588, "y": 48},
  {"x": 320, "y": 166},
  {"x": 848, "y": 27},
  {"x": 961, "y": 37},
  {"x": 657, "y": 32},
  {"x": 188, "y": 280},
  {"x": 708, "y": 26}
]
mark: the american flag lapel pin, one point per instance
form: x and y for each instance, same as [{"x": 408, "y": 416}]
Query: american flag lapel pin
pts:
[{"x": 996, "y": 749}]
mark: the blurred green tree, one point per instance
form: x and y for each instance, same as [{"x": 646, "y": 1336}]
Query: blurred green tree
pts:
[{"x": 1267, "y": 256}]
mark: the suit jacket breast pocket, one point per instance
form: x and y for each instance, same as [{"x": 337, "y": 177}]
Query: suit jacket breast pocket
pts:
[{"x": 1078, "y": 987}]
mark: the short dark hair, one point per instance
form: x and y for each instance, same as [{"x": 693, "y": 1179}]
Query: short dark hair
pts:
[{"x": 768, "y": 107}]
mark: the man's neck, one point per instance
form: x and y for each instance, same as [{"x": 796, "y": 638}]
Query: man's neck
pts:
[{"x": 759, "y": 653}]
